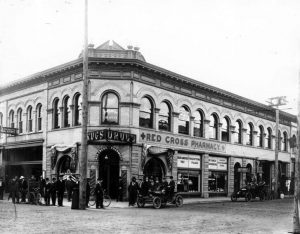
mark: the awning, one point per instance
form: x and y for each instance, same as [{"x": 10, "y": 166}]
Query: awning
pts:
[{"x": 24, "y": 144}]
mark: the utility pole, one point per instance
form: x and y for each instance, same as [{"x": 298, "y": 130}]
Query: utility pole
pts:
[
  {"x": 83, "y": 156},
  {"x": 276, "y": 102},
  {"x": 296, "y": 221}
]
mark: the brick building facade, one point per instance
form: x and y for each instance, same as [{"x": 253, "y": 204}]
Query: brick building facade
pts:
[{"x": 143, "y": 120}]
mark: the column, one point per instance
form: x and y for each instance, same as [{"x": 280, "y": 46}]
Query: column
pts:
[
  {"x": 34, "y": 121},
  {"x": 232, "y": 136},
  {"x": 155, "y": 119},
  {"x": 72, "y": 115},
  {"x": 206, "y": 128},
  {"x": 204, "y": 176},
  {"x": 244, "y": 136},
  {"x": 230, "y": 182},
  {"x": 191, "y": 130},
  {"x": 255, "y": 140},
  {"x": 174, "y": 126},
  {"x": 219, "y": 132}
]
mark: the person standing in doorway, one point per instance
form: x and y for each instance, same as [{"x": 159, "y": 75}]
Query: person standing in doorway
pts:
[
  {"x": 60, "y": 186},
  {"x": 99, "y": 194},
  {"x": 120, "y": 189},
  {"x": 69, "y": 187},
  {"x": 133, "y": 191},
  {"x": 47, "y": 192}
]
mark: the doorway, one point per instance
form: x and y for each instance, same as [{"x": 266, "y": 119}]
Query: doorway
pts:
[
  {"x": 155, "y": 168},
  {"x": 65, "y": 165},
  {"x": 237, "y": 177},
  {"x": 109, "y": 168}
]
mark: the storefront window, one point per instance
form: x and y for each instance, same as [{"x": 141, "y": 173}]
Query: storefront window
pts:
[
  {"x": 217, "y": 182},
  {"x": 189, "y": 174}
]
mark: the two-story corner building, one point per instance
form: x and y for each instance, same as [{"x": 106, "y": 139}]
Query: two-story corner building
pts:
[{"x": 143, "y": 120}]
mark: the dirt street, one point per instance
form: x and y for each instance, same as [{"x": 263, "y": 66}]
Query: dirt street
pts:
[{"x": 228, "y": 217}]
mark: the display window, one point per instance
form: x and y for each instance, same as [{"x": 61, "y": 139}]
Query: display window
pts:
[
  {"x": 217, "y": 182},
  {"x": 189, "y": 173}
]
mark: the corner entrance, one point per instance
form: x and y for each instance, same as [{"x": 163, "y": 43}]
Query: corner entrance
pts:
[
  {"x": 154, "y": 167},
  {"x": 65, "y": 165},
  {"x": 109, "y": 168}
]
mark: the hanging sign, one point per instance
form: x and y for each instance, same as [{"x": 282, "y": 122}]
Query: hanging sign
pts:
[{"x": 9, "y": 131}]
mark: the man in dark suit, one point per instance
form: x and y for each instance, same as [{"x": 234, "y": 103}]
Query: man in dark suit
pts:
[
  {"x": 133, "y": 191},
  {"x": 1, "y": 188},
  {"x": 99, "y": 194},
  {"x": 60, "y": 187},
  {"x": 47, "y": 192},
  {"x": 23, "y": 188},
  {"x": 88, "y": 192},
  {"x": 53, "y": 191},
  {"x": 171, "y": 187}
]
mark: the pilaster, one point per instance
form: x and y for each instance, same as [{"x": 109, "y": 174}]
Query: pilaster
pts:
[{"x": 204, "y": 176}]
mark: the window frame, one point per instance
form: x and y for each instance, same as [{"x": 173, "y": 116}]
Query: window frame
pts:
[
  {"x": 151, "y": 119},
  {"x": 187, "y": 122},
  {"x": 161, "y": 116},
  {"x": 110, "y": 108}
]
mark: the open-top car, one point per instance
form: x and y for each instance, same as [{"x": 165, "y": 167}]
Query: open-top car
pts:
[
  {"x": 250, "y": 191},
  {"x": 159, "y": 198}
]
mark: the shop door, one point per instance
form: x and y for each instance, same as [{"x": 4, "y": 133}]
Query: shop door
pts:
[
  {"x": 109, "y": 171},
  {"x": 237, "y": 177},
  {"x": 155, "y": 168}
]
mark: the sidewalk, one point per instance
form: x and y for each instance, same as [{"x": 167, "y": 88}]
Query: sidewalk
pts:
[{"x": 115, "y": 204}]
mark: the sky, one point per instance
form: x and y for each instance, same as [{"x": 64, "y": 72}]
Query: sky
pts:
[{"x": 247, "y": 47}]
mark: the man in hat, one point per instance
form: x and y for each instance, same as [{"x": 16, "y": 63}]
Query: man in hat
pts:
[
  {"x": 171, "y": 187},
  {"x": 1, "y": 188},
  {"x": 47, "y": 192},
  {"x": 88, "y": 192},
  {"x": 23, "y": 188},
  {"x": 99, "y": 194},
  {"x": 133, "y": 191},
  {"x": 60, "y": 188},
  {"x": 53, "y": 191}
]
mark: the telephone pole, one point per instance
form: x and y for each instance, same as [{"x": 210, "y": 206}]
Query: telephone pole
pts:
[
  {"x": 83, "y": 155},
  {"x": 276, "y": 102}
]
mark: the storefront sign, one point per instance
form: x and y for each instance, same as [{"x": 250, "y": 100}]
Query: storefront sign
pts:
[
  {"x": 111, "y": 135},
  {"x": 173, "y": 141},
  {"x": 244, "y": 169},
  {"x": 9, "y": 131},
  {"x": 188, "y": 161},
  {"x": 217, "y": 163}
]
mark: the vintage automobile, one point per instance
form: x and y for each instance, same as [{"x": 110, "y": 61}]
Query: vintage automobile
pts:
[
  {"x": 250, "y": 191},
  {"x": 159, "y": 198}
]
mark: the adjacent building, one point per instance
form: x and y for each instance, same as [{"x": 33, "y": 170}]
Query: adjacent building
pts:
[{"x": 143, "y": 120}]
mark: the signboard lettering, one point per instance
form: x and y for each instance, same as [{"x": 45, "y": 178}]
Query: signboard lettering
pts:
[
  {"x": 217, "y": 163},
  {"x": 9, "y": 131},
  {"x": 111, "y": 135},
  {"x": 189, "y": 161}
]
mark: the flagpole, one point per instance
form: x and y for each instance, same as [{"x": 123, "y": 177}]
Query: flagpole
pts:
[{"x": 83, "y": 156}]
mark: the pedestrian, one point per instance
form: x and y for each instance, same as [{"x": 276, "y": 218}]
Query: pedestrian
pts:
[
  {"x": 69, "y": 187},
  {"x": 53, "y": 191},
  {"x": 42, "y": 184},
  {"x": 145, "y": 186},
  {"x": 23, "y": 188},
  {"x": 120, "y": 189},
  {"x": 133, "y": 191},
  {"x": 99, "y": 194},
  {"x": 2, "y": 186},
  {"x": 15, "y": 190},
  {"x": 47, "y": 192},
  {"x": 75, "y": 193},
  {"x": 60, "y": 188},
  {"x": 171, "y": 187}
]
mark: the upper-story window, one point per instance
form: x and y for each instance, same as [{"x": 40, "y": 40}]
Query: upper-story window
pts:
[
  {"x": 268, "y": 139},
  {"x": 66, "y": 111},
  {"x": 77, "y": 109},
  {"x": 146, "y": 113},
  {"x": 29, "y": 119},
  {"x": 198, "y": 123},
  {"x": 238, "y": 132},
  {"x": 184, "y": 120},
  {"x": 19, "y": 119},
  {"x": 279, "y": 140},
  {"x": 213, "y": 127},
  {"x": 164, "y": 117},
  {"x": 11, "y": 121},
  {"x": 1, "y": 119},
  {"x": 249, "y": 133},
  {"x": 284, "y": 141},
  {"x": 39, "y": 117},
  {"x": 110, "y": 108},
  {"x": 225, "y": 129},
  {"x": 260, "y": 136},
  {"x": 56, "y": 113}
]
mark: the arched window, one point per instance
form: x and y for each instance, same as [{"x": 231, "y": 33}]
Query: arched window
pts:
[
  {"x": 225, "y": 129},
  {"x": 268, "y": 139},
  {"x": 29, "y": 119},
  {"x": 66, "y": 111},
  {"x": 146, "y": 113},
  {"x": 110, "y": 108},
  {"x": 55, "y": 114},
  {"x": 284, "y": 141},
  {"x": 260, "y": 136},
  {"x": 238, "y": 132},
  {"x": 184, "y": 120},
  {"x": 164, "y": 117},
  {"x": 39, "y": 117},
  {"x": 19, "y": 119},
  {"x": 213, "y": 127},
  {"x": 249, "y": 140},
  {"x": 77, "y": 109},
  {"x": 11, "y": 121},
  {"x": 198, "y": 123},
  {"x": 279, "y": 140}
]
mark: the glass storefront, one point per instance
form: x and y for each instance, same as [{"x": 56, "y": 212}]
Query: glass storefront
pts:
[
  {"x": 218, "y": 176},
  {"x": 189, "y": 173}
]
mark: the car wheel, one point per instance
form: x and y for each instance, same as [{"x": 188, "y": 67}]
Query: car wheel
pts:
[
  {"x": 248, "y": 197},
  {"x": 262, "y": 196},
  {"x": 156, "y": 202},
  {"x": 233, "y": 197},
  {"x": 140, "y": 202},
  {"x": 178, "y": 201}
]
